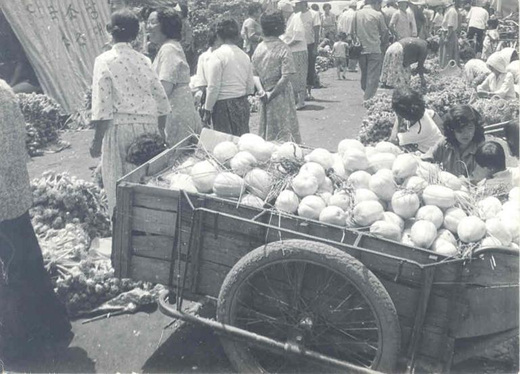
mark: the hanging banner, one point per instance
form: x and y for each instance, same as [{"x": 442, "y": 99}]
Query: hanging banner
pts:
[{"x": 61, "y": 39}]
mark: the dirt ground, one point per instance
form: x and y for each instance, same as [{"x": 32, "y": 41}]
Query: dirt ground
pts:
[{"x": 140, "y": 342}]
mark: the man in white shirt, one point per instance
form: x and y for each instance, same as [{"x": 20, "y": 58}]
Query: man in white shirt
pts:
[
  {"x": 312, "y": 24},
  {"x": 402, "y": 25},
  {"x": 346, "y": 19},
  {"x": 477, "y": 22},
  {"x": 449, "y": 42}
]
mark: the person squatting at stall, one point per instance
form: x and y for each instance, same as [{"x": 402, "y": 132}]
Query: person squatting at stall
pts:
[
  {"x": 464, "y": 132},
  {"x": 415, "y": 127},
  {"x": 499, "y": 82},
  {"x": 491, "y": 167},
  {"x": 31, "y": 316},
  {"x": 128, "y": 101}
]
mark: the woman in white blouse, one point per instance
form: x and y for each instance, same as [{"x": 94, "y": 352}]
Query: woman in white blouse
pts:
[{"x": 128, "y": 101}]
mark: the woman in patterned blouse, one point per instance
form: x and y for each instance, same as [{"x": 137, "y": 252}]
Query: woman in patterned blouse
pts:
[{"x": 128, "y": 101}]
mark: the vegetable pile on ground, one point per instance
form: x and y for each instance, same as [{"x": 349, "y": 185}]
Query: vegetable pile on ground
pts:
[
  {"x": 395, "y": 195},
  {"x": 495, "y": 110},
  {"x": 377, "y": 124},
  {"x": 67, "y": 215},
  {"x": 44, "y": 117},
  {"x": 324, "y": 63},
  {"x": 59, "y": 199}
]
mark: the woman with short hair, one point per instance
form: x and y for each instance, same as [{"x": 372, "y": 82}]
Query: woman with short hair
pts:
[
  {"x": 128, "y": 101},
  {"x": 165, "y": 30},
  {"x": 464, "y": 132},
  {"x": 273, "y": 64},
  {"x": 230, "y": 81}
]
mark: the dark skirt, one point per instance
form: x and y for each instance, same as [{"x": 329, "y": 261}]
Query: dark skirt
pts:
[
  {"x": 30, "y": 312},
  {"x": 231, "y": 116}
]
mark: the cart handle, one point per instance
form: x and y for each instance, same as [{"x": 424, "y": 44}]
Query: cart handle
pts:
[
  {"x": 260, "y": 340},
  {"x": 502, "y": 250}
]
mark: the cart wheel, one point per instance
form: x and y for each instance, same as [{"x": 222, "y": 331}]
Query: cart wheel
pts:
[{"x": 313, "y": 295}]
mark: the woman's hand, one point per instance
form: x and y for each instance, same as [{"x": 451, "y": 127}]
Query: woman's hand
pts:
[
  {"x": 95, "y": 148},
  {"x": 206, "y": 117}
]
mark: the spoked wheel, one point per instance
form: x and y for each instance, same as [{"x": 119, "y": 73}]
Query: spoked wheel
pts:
[{"x": 310, "y": 295}]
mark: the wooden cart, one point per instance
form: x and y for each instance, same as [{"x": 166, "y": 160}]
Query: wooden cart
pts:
[{"x": 298, "y": 295}]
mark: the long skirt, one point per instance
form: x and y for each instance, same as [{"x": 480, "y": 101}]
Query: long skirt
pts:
[
  {"x": 231, "y": 116},
  {"x": 278, "y": 120},
  {"x": 113, "y": 158},
  {"x": 448, "y": 49},
  {"x": 299, "y": 80},
  {"x": 184, "y": 119},
  {"x": 30, "y": 311},
  {"x": 394, "y": 74}
]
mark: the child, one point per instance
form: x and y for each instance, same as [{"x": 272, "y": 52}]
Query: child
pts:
[
  {"x": 340, "y": 52},
  {"x": 491, "y": 166}
]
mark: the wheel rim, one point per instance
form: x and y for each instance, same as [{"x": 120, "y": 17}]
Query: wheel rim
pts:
[{"x": 311, "y": 305}]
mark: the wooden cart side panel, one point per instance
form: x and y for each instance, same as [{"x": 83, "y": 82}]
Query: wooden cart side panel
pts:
[
  {"x": 492, "y": 269},
  {"x": 122, "y": 231},
  {"x": 216, "y": 225},
  {"x": 157, "y": 164},
  {"x": 485, "y": 311}
]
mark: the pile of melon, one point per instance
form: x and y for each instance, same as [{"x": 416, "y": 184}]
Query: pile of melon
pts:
[{"x": 392, "y": 194}]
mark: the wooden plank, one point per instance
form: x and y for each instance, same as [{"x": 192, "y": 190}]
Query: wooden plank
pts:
[
  {"x": 150, "y": 270},
  {"x": 492, "y": 269},
  {"x": 479, "y": 346},
  {"x": 154, "y": 221},
  {"x": 405, "y": 301},
  {"x": 446, "y": 272},
  {"x": 156, "y": 198},
  {"x": 488, "y": 310},
  {"x": 122, "y": 231},
  {"x": 154, "y": 246}
]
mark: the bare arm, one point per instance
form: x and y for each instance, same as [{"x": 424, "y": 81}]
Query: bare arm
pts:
[
  {"x": 101, "y": 127},
  {"x": 278, "y": 88}
]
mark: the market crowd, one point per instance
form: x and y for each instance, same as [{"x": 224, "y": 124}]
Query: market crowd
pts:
[{"x": 149, "y": 80}]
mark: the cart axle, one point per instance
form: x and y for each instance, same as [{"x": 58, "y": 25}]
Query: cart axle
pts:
[{"x": 270, "y": 344}]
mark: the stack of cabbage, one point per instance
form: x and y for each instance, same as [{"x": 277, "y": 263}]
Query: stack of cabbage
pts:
[{"x": 394, "y": 194}]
